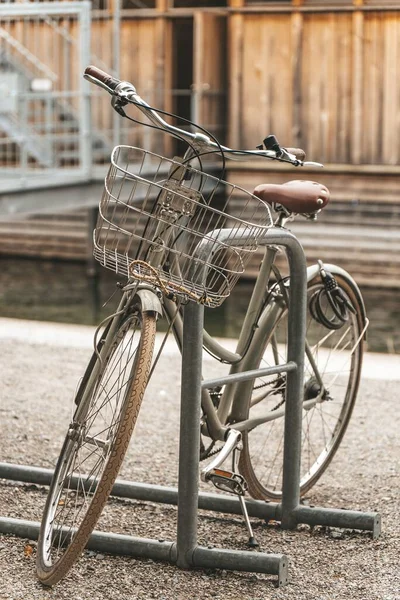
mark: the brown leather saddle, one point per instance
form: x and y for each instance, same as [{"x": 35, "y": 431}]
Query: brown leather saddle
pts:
[{"x": 296, "y": 196}]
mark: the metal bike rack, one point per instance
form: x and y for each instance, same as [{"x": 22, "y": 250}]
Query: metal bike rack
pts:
[{"x": 186, "y": 552}]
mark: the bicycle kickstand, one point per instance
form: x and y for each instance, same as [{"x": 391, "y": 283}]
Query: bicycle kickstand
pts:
[
  {"x": 230, "y": 481},
  {"x": 252, "y": 542}
]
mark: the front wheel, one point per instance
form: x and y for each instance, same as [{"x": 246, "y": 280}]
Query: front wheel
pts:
[
  {"x": 331, "y": 379},
  {"x": 108, "y": 403}
]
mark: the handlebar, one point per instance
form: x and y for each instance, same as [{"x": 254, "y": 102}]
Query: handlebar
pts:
[{"x": 125, "y": 93}]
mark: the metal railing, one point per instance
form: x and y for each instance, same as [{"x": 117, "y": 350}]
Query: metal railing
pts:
[
  {"x": 54, "y": 130},
  {"x": 44, "y": 104}
]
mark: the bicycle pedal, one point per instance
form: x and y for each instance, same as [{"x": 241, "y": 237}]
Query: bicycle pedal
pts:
[{"x": 227, "y": 481}]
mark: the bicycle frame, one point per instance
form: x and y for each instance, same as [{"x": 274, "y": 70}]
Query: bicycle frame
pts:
[
  {"x": 258, "y": 326},
  {"x": 257, "y": 330}
]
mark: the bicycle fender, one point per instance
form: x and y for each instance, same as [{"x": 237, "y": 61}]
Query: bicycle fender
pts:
[
  {"x": 313, "y": 271},
  {"x": 149, "y": 301}
]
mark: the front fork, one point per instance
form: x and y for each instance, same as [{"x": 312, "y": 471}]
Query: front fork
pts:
[{"x": 133, "y": 294}]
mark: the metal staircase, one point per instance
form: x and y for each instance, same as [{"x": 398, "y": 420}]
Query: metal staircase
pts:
[
  {"x": 43, "y": 132},
  {"x": 23, "y": 135},
  {"x": 28, "y": 62}
]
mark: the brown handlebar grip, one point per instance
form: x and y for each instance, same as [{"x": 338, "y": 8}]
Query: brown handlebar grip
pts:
[
  {"x": 103, "y": 77},
  {"x": 298, "y": 152}
]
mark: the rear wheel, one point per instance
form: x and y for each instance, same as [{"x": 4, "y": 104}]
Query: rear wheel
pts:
[
  {"x": 95, "y": 445},
  {"x": 330, "y": 390}
]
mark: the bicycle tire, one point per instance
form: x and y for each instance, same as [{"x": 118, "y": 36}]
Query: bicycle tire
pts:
[
  {"x": 261, "y": 460},
  {"x": 110, "y": 410}
]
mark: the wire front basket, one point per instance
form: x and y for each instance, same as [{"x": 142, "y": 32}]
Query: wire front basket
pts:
[{"x": 166, "y": 223}]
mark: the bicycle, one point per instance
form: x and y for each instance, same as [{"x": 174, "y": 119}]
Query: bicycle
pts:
[{"x": 179, "y": 235}]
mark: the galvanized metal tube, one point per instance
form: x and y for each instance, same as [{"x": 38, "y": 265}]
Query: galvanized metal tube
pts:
[
  {"x": 334, "y": 517},
  {"x": 368, "y": 521},
  {"x": 255, "y": 562},
  {"x": 85, "y": 129},
  {"x": 294, "y": 387},
  {"x": 100, "y": 541},
  {"x": 20, "y": 527},
  {"x": 25, "y": 473},
  {"x": 150, "y": 493},
  {"x": 189, "y": 442}
]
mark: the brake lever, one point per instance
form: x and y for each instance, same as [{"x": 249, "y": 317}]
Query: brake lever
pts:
[
  {"x": 287, "y": 156},
  {"x": 117, "y": 103}
]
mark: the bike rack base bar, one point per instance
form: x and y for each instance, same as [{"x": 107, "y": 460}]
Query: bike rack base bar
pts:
[
  {"x": 256, "y": 562},
  {"x": 150, "y": 492},
  {"x": 101, "y": 541},
  {"x": 201, "y": 557},
  {"x": 334, "y": 517},
  {"x": 330, "y": 517}
]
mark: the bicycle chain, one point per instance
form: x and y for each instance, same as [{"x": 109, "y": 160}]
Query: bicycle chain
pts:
[
  {"x": 277, "y": 391},
  {"x": 211, "y": 453}
]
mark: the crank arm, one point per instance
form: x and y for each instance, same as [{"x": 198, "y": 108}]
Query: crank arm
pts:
[{"x": 233, "y": 439}]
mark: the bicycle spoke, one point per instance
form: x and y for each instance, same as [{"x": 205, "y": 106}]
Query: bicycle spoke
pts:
[
  {"x": 90, "y": 442},
  {"x": 331, "y": 374}
]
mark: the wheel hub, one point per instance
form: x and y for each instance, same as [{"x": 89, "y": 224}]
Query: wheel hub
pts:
[{"x": 312, "y": 389}]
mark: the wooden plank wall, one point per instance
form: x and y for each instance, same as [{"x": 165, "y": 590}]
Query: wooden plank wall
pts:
[
  {"x": 142, "y": 61},
  {"x": 327, "y": 81},
  {"x": 210, "y": 69}
]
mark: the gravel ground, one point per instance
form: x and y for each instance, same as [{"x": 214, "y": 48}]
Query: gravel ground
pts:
[{"x": 41, "y": 365}]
